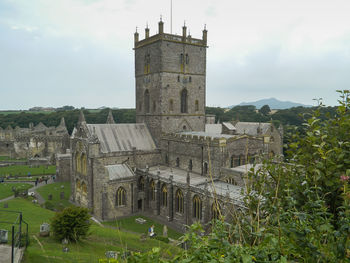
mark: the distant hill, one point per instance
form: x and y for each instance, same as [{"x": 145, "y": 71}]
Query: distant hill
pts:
[{"x": 273, "y": 103}]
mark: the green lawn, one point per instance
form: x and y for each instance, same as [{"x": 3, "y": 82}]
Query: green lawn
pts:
[
  {"x": 55, "y": 189},
  {"x": 23, "y": 170},
  {"x": 7, "y": 158},
  {"x": 130, "y": 224},
  {"x": 6, "y": 188},
  {"x": 90, "y": 250}
]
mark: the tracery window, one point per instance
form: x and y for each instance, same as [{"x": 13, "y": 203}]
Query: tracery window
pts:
[
  {"x": 215, "y": 211},
  {"x": 141, "y": 183},
  {"x": 153, "y": 191},
  {"x": 121, "y": 197},
  {"x": 197, "y": 207},
  {"x": 179, "y": 201},
  {"x": 164, "y": 196}
]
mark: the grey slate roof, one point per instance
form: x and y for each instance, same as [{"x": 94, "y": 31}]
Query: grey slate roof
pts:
[
  {"x": 229, "y": 126},
  {"x": 251, "y": 128},
  {"x": 119, "y": 171},
  {"x": 122, "y": 137},
  {"x": 213, "y": 128}
]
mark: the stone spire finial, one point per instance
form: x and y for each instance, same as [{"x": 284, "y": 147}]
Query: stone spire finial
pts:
[
  {"x": 62, "y": 123},
  {"x": 110, "y": 119},
  {"x": 81, "y": 117}
]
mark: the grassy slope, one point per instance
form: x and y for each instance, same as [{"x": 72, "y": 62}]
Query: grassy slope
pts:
[
  {"x": 25, "y": 169},
  {"x": 55, "y": 189},
  {"x": 129, "y": 224},
  {"x": 6, "y": 188},
  {"x": 90, "y": 250}
]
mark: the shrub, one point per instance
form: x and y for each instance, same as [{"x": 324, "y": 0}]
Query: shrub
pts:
[
  {"x": 72, "y": 223},
  {"x": 49, "y": 205}
]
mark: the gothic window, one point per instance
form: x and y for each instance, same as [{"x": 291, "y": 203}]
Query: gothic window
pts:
[
  {"x": 77, "y": 162},
  {"x": 171, "y": 105},
  {"x": 146, "y": 102},
  {"x": 83, "y": 164},
  {"x": 197, "y": 207},
  {"x": 190, "y": 165},
  {"x": 78, "y": 186},
  {"x": 190, "y": 79},
  {"x": 179, "y": 202},
  {"x": 187, "y": 59},
  {"x": 153, "y": 191},
  {"x": 164, "y": 196},
  {"x": 205, "y": 168},
  {"x": 121, "y": 197},
  {"x": 184, "y": 128},
  {"x": 178, "y": 78},
  {"x": 177, "y": 162},
  {"x": 184, "y": 101},
  {"x": 196, "y": 105},
  {"x": 236, "y": 162},
  {"x": 215, "y": 211},
  {"x": 181, "y": 58},
  {"x": 141, "y": 183},
  {"x": 84, "y": 188}
]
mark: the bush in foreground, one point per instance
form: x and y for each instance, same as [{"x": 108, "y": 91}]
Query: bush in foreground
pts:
[{"x": 72, "y": 223}]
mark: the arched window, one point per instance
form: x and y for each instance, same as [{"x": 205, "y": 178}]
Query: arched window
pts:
[
  {"x": 232, "y": 162},
  {"x": 197, "y": 207},
  {"x": 154, "y": 106},
  {"x": 215, "y": 211},
  {"x": 153, "y": 191},
  {"x": 146, "y": 102},
  {"x": 141, "y": 183},
  {"x": 77, "y": 162},
  {"x": 166, "y": 159},
  {"x": 179, "y": 202},
  {"x": 184, "y": 101},
  {"x": 78, "y": 186},
  {"x": 205, "y": 168},
  {"x": 187, "y": 59},
  {"x": 121, "y": 197},
  {"x": 190, "y": 165},
  {"x": 84, "y": 188},
  {"x": 83, "y": 164},
  {"x": 189, "y": 79},
  {"x": 177, "y": 162},
  {"x": 164, "y": 196},
  {"x": 171, "y": 105},
  {"x": 196, "y": 105},
  {"x": 178, "y": 78}
]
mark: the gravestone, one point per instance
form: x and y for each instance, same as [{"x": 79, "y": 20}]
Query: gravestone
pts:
[
  {"x": 140, "y": 220},
  {"x": 4, "y": 236},
  {"x": 64, "y": 241},
  {"x": 65, "y": 249},
  {"x": 111, "y": 254},
  {"x": 62, "y": 186},
  {"x": 6, "y": 205},
  {"x": 49, "y": 197},
  {"x": 62, "y": 195},
  {"x": 45, "y": 230}
]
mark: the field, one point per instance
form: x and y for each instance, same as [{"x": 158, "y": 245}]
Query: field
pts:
[
  {"x": 130, "y": 225},
  {"x": 55, "y": 190},
  {"x": 23, "y": 170},
  {"x": 100, "y": 240},
  {"x": 6, "y": 188}
]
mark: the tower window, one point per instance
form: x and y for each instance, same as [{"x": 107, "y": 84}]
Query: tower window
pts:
[
  {"x": 146, "y": 102},
  {"x": 187, "y": 59},
  {"x": 196, "y": 105},
  {"x": 177, "y": 162},
  {"x": 190, "y": 165},
  {"x": 190, "y": 79},
  {"x": 171, "y": 105},
  {"x": 178, "y": 78},
  {"x": 184, "y": 101},
  {"x": 164, "y": 196}
]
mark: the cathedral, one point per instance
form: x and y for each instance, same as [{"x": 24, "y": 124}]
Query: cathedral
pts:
[{"x": 175, "y": 164}]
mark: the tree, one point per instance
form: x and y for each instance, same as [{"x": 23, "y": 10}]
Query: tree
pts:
[
  {"x": 72, "y": 223},
  {"x": 265, "y": 110}
]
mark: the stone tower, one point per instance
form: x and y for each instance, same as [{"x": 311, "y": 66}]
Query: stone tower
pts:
[{"x": 170, "y": 72}]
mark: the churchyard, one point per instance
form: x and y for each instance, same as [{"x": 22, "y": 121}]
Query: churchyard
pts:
[{"x": 130, "y": 236}]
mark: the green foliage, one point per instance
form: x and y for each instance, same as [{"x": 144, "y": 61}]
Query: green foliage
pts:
[
  {"x": 265, "y": 110},
  {"x": 163, "y": 239},
  {"x": 71, "y": 117},
  {"x": 6, "y": 189},
  {"x": 72, "y": 223},
  {"x": 55, "y": 189},
  {"x": 49, "y": 205}
]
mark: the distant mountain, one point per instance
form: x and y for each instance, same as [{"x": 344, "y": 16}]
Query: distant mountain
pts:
[{"x": 273, "y": 103}]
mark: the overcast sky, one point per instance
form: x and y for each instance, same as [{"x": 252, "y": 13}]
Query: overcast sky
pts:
[{"x": 79, "y": 52}]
